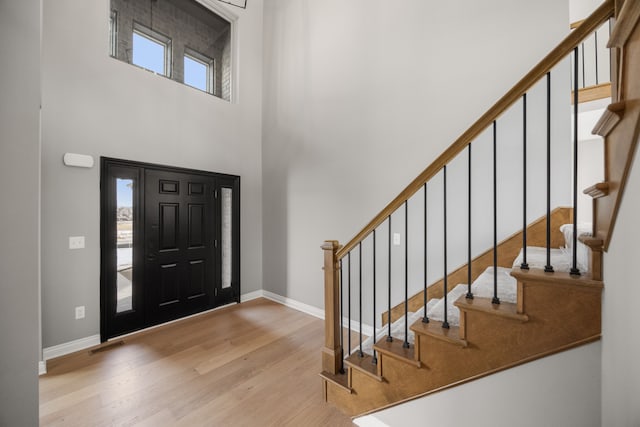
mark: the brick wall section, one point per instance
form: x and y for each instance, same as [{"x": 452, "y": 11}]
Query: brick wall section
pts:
[
  {"x": 186, "y": 27},
  {"x": 225, "y": 65}
]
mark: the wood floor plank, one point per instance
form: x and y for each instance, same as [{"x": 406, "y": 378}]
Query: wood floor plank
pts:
[{"x": 250, "y": 364}]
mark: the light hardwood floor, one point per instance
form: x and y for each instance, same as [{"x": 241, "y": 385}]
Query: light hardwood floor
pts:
[{"x": 251, "y": 364}]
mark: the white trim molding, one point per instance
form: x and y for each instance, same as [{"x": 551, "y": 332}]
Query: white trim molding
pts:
[
  {"x": 305, "y": 308},
  {"x": 251, "y": 295},
  {"x": 232, "y": 17},
  {"x": 355, "y": 326},
  {"x": 70, "y": 347},
  {"x": 42, "y": 367},
  {"x": 296, "y": 305},
  {"x": 369, "y": 421},
  {"x": 288, "y": 302}
]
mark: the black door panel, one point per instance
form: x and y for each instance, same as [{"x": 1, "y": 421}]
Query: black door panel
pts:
[{"x": 180, "y": 243}]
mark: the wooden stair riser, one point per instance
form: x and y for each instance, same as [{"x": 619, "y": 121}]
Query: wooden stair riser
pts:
[
  {"x": 365, "y": 365},
  {"x": 401, "y": 381},
  {"x": 557, "y": 316},
  {"x": 395, "y": 349},
  {"x": 595, "y": 255},
  {"x": 508, "y": 250}
]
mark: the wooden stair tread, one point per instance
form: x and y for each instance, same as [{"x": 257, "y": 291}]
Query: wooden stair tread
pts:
[
  {"x": 341, "y": 380},
  {"x": 593, "y": 92},
  {"x": 556, "y": 278},
  {"x": 504, "y": 309},
  {"x": 598, "y": 190},
  {"x": 594, "y": 243},
  {"x": 396, "y": 350},
  {"x": 363, "y": 364},
  {"x": 434, "y": 329}
]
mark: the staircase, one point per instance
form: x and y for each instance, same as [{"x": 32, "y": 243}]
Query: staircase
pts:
[{"x": 535, "y": 292}]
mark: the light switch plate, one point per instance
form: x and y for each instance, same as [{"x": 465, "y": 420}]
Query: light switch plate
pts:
[
  {"x": 396, "y": 239},
  {"x": 76, "y": 242},
  {"x": 80, "y": 312}
]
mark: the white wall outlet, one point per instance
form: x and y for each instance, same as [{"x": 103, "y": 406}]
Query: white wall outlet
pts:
[
  {"x": 80, "y": 312},
  {"x": 76, "y": 242},
  {"x": 396, "y": 239}
]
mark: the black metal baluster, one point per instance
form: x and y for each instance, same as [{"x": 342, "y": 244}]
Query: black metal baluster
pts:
[
  {"x": 469, "y": 293},
  {"x": 596, "y": 43},
  {"x": 425, "y": 318},
  {"x": 360, "y": 353},
  {"x": 374, "y": 359},
  {"x": 574, "y": 266},
  {"x": 389, "y": 337},
  {"x": 495, "y": 299},
  {"x": 584, "y": 81},
  {"x": 349, "y": 301},
  {"x": 548, "y": 267},
  {"x": 445, "y": 324},
  {"x": 524, "y": 264},
  {"x": 341, "y": 323},
  {"x": 406, "y": 274}
]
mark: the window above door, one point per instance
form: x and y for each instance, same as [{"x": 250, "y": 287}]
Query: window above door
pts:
[{"x": 185, "y": 40}]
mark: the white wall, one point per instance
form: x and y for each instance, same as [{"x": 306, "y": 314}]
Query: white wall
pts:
[
  {"x": 20, "y": 193},
  {"x": 620, "y": 316},
  {"x": 580, "y": 9},
  {"x": 94, "y": 104},
  {"x": 590, "y": 156},
  {"x": 361, "y": 96},
  {"x": 559, "y": 390}
]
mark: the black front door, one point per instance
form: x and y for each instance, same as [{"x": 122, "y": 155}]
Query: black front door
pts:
[
  {"x": 170, "y": 244},
  {"x": 179, "y": 243}
]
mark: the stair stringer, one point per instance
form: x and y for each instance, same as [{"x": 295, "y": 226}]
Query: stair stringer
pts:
[
  {"x": 555, "y": 312},
  {"x": 620, "y": 125}
]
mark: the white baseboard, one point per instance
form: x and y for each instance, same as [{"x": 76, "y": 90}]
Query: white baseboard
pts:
[
  {"x": 355, "y": 326},
  {"x": 311, "y": 310},
  {"x": 70, "y": 347},
  {"x": 42, "y": 367},
  {"x": 251, "y": 295},
  {"x": 369, "y": 421},
  {"x": 296, "y": 305}
]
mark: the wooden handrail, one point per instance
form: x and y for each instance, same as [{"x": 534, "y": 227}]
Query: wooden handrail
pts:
[
  {"x": 586, "y": 28},
  {"x": 576, "y": 24}
]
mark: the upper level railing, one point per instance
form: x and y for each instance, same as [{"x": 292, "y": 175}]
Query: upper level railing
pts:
[
  {"x": 338, "y": 260},
  {"x": 594, "y": 64},
  {"x": 585, "y": 30}
]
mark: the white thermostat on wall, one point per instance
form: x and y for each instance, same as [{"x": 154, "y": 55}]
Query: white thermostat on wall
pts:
[{"x": 78, "y": 160}]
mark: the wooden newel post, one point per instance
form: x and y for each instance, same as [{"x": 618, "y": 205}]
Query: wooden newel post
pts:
[{"x": 332, "y": 351}]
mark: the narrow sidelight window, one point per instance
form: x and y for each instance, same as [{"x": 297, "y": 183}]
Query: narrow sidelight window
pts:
[
  {"x": 227, "y": 236},
  {"x": 124, "y": 244}
]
